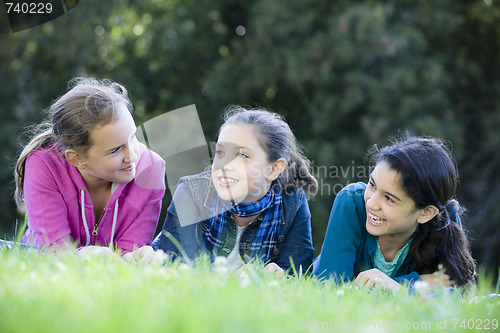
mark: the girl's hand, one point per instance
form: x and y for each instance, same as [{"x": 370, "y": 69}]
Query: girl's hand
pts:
[
  {"x": 145, "y": 255},
  {"x": 273, "y": 268},
  {"x": 374, "y": 277},
  {"x": 61, "y": 245},
  {"x": 87, "y": 251}
]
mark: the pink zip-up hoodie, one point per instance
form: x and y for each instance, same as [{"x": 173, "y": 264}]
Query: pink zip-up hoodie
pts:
[{"x": 58, "y": 203}]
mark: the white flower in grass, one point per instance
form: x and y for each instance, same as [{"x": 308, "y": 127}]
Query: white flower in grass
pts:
[
  {"x": 220, "y": 266},
  {"x": 159, "y": 258},
  {"x": 62, "y": 267},
  {"x": 421, "y": 287},
  {"x": 163, "y": 271},
  {"x": 244, "y": 283},
  {"x": 340, "y": 292},
  {"x": 220, "y": 261},
  {"x": 184, "y": 267},
  {"x": 221, "y": 270},
  {"x": 244, "y": 279},
  {"x": 273, "y": 283}
]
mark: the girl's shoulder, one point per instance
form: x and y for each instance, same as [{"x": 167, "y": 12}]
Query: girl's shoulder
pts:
[
  {"x": 352, "y": 194},
  {"x": 148, "y": 156},
  {"x": 199, "y": 185},
  {"x": 295, "y": 194},
  {"x": 205, "y": 176},
  {"x": 50, "y": 155},
  {"x": 354, "y": 188},
  {"x": 293, "y": 200}
]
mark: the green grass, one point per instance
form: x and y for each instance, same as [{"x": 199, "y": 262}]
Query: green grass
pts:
[{"x": 55, "y": 293}]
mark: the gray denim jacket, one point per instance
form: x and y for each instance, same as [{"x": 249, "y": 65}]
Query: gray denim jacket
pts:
[{"x": 195, "y": 201}]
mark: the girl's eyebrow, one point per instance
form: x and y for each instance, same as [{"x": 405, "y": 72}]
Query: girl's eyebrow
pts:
[
  {"x": 232, "y": 145},
  {"x": 114, "y": 148},
  {"x": 387, "y": 193}
]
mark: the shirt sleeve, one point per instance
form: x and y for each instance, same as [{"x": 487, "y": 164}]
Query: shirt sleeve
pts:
[
  {"x": 45, "y": 206},
  {"x": 408, "y": 279},
  {"x": 343, "y": 235},
  {"x": 180, "y": 223},
  {"x": 298, "y": 245},
  {"x": 142, "y": 230}
]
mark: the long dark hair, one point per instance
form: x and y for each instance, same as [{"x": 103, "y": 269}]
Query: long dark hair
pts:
[{"x": 430, "y": 177}]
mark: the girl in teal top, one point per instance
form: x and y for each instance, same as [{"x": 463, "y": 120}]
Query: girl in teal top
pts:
[{"x": 402, "y": 226}]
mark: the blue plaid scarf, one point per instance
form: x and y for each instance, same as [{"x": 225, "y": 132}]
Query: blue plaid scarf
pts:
[{"x": 267, "y": 233}]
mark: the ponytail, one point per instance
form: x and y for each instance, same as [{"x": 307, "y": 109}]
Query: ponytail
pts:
[
  {"x": 297, "y": 174},
  {"x": 442, "y": 241},
  {"x": 44, "y": 138}
]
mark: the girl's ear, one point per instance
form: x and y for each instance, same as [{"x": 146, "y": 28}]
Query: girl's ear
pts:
[
  {"x": 277, "y": 168},
  {"x": 427, "y": 214},
  {"x": 75, "y": 158}
]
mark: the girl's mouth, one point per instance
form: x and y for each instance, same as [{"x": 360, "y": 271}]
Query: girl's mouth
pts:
[
  {"x": 374, "y": 219},
  {"x": 227, "y": 181},
  {"x": 128, "y": 169}
]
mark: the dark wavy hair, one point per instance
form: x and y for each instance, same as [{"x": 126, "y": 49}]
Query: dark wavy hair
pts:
[{"x": 430, "y": 177}]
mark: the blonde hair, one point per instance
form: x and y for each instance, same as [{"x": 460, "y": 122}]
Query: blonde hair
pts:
[{"x": 87, "y": 103}]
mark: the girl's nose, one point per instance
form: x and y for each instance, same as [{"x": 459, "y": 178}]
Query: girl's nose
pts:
[
  {"x": 228, "y": 165},
  {"x": 131, "y": 155},
  {"x": 372, "y": 202}
]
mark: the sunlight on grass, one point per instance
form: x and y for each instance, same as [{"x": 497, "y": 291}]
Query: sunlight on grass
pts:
[{"x": 49, "y": 293}]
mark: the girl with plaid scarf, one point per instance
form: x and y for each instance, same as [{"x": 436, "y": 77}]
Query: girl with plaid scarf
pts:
[{"x": 252, "y": 203}]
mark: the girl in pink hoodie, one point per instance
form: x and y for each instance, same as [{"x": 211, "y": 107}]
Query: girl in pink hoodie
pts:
[{"x": 84, "y": 178}]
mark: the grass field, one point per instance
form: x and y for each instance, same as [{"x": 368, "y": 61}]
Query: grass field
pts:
[{"x": 55, "y": 293}]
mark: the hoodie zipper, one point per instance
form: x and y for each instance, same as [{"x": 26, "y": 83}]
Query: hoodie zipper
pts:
[{"x": 96, "y": 225}]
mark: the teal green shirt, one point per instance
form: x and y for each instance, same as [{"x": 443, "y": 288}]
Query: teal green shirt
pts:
[{"x": 390, "y": 268}]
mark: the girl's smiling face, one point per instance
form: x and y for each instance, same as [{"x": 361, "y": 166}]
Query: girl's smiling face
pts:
[
  {"x": 113, "y": 154},
  {"x": 240, "y": 170},
  {"x": 391, "y": 213}
]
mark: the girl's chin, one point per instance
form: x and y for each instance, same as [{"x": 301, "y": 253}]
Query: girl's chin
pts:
[
  {"x": 227, "y": 194},
  {"x": 372, "y": 230}
]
